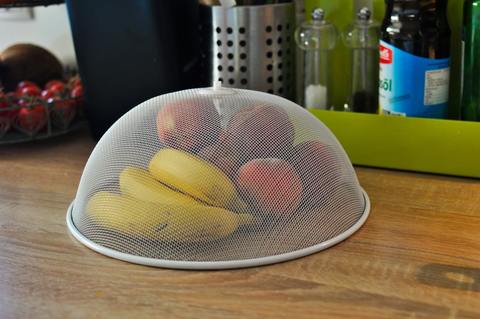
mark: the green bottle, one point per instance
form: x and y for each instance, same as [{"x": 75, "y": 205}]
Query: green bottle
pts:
[{"x": 471, "y": 78}]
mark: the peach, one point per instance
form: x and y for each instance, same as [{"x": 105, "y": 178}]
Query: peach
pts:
[
  {"x": 318, "y": 168},
  {"x": 272, "y": 185},
  {"x": 188, "y": 125},
  {"x": 260, "y": 131}
]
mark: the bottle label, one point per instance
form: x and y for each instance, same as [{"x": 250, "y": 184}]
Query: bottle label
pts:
[{"x": 411, "y": 85}]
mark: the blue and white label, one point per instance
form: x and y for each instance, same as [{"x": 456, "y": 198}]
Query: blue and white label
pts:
[{"x": 411, "y": 85}]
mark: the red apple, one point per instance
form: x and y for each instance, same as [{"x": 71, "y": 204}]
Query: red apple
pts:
[
  {"x": 261, "y": 131},
  {"x": 272, "y": 185},
  {"x": 188, "y": 125}
]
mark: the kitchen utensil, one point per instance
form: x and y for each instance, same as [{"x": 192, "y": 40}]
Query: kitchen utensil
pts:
[
  {"x": 316, "y": 39},
  {"x": 362, "y": 38},
  {"x": 249, "y": 47},
  {"x": 216, "y": 178}
]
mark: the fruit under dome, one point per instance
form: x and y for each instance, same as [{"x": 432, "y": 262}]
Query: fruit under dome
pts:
[{"x": 216, "y": 178}]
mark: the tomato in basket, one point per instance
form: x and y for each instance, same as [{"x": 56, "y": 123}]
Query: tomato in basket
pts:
[
  {"x": 63, "y": 111},
  {"x": 77, "y": 91},
  {"x": 8, "y": 101},
  {"x": 31, "y": 117},
  {"x": 57, "y": 83},
  {"x": 30, "y": 90},
  {"x": 58, "y": 89}
]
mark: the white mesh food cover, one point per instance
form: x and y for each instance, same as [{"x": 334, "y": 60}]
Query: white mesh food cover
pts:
[{"x": 216, "y": 178}]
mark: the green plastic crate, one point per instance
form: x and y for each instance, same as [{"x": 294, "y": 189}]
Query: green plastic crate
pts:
[{"x": 422, "y": 145}]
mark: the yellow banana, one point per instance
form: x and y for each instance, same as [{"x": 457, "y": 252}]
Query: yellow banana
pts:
[
  {"x": 193, "y": 176},
  {"x": 140, "y": 184},
  {"x": 169, "y": 222}
]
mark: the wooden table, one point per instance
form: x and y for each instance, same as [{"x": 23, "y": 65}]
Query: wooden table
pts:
[{"x": 418, "y": 255}]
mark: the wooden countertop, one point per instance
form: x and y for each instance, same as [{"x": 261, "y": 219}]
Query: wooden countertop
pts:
[{"x": 418, "y": 255}]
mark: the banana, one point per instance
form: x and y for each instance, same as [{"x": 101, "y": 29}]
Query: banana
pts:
[
  {"x": 140, "y": 184},
  {"x": 168, "y": 222},
  {"x": 193, "y": 176}
]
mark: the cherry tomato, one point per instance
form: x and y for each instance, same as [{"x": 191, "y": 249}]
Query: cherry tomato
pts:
[
  {"x": 73, "y": 82},
  {"x": 77, "y": 91},
  {"x": 31, "y": 118},
  {"x": 57, "y": 88},
  {"x": 11, "y": 96},
  {"x": 9, "y": 100},
  {"x": 30, "y": 90},
  {"x": 4, "y": 115},
  {"x": 52, "y": 83},
  {"x": 3, "y": 98},
  {"x": 47, "y": 94},
  {"x": 3, "y": 104},
  {"x": 23, "y": 84},
  {"x": 64, "y": 105},
  {"x": 64, "y": 111}
]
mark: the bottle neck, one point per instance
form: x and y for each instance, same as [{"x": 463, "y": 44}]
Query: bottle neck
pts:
[
  {"x": 418, "y": 26},
  {"x": 402, "y": 14},
  {"x": 434, "y": 8},
  {"x": 411, "y": 11}
]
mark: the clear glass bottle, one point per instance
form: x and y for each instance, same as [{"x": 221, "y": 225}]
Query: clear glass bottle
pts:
[
  {"x": 316, "y": 39},
  {"x": 362, "y": 38}
]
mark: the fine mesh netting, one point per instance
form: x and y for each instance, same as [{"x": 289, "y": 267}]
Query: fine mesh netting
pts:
[{"x": 216, "y": 175}]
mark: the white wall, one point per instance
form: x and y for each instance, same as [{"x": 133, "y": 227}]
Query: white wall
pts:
[{"x": 50, "y": 29}]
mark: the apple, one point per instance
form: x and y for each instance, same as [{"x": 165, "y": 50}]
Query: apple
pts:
[
  {"x": 188, "y": 125},
  {"x": 272, "y": 185}
]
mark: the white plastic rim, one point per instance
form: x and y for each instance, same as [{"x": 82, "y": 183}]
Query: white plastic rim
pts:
[{"x": 217, "y": 265}]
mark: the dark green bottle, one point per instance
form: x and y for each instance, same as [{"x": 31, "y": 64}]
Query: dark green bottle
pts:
[{"x": 471, "y": 78}]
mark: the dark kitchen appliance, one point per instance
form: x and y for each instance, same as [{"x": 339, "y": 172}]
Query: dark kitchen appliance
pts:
[{"x": 129, "y": 51}]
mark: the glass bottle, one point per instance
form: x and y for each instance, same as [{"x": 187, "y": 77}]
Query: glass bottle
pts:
[
  {"x": 471, "y": 79},
  {"x": 362, "y": 38},
  {"x": 415, "y": 59},
  {"x": 316, "y": 38}
]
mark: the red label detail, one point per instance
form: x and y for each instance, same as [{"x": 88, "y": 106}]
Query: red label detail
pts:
[{"x": 386, "y": 55}]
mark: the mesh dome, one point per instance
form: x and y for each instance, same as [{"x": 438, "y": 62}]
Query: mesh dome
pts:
[{"x": 216, "y": 178}]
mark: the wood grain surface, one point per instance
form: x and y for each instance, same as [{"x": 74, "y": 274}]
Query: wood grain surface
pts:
[{"x": 418, "y": 255}]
